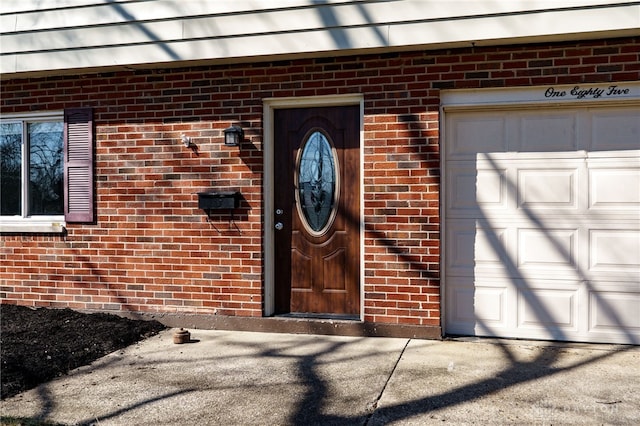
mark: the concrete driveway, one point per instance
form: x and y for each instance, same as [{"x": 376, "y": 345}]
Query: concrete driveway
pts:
[{"x": 243, "y": 378}]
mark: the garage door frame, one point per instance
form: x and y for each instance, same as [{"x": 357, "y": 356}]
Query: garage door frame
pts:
[{"x": 507, "y": 99}]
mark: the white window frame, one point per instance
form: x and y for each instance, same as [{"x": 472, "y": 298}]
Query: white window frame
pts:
[{"x": 23, "y": 223}]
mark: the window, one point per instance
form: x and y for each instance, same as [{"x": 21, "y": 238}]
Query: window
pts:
[
  {"x": 317, "y": 186},
  {"x": 46, "y": 170},
  {"x": 32, "y": 152}
]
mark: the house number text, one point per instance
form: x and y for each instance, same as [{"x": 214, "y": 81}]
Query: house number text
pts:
[{"x": 586, "y": 92}]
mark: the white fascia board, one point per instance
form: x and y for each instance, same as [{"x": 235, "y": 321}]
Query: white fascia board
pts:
[
  {"x": 263, "y": 38},
  {"x": 46, "y": 14},
  {"x": 76, "y": 14},
  {"x": 168, "y": 31},
  {"x": 558, "y": 26},
  {"x": 20, "y": 6},
  {"x": 232, "y": 49},
  {"x": 398, "y": 33}
]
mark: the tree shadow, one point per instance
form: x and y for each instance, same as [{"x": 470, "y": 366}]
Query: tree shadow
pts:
[
  {"x": 151, "y": 35},
  {"x": 542, "y": 313},
  {"x": 133, "y": 406},
  {"x": 516, "y": 373},
  {"x": 307, "y": 359}
]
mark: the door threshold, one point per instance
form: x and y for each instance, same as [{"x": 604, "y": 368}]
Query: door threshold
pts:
[{"x": 311, "y": 315}]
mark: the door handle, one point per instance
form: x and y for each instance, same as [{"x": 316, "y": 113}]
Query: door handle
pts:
[{"x": 279, "y": 226}]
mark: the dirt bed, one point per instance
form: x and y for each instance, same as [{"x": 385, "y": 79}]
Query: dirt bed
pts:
[{"x": 37, "y": 345}]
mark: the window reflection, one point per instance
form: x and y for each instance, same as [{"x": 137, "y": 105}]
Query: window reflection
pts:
[
  {"x": 317, "y": 181},
  {"x": 46, "y": 168},
  {"x": 10, "y": 168}
]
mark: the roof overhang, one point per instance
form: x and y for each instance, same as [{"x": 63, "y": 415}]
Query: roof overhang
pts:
[{"x": 334, "y": 28}]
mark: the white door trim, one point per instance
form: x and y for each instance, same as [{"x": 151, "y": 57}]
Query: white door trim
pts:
[{"x": 269, "y": 105}]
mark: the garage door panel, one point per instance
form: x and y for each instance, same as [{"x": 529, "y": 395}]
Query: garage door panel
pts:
[
  {"x": 476, "y": 309},
  {"x": 614, "y": 186},
  {"x": 548, "y": 309},
  {"x": 547, "y": 249},
  {"x": 614, "y": 251},
  {"x": 616, "y": 314},
  {"x": 615, "y": 129},
  {"x": 475, "y": 249},
  {"x": 491, "y": 188},
  {"x": 544, "y": 188},
  {"x": 475, "y": 187},
  {"x": 490, "y": 303},
  {"x": 548, "y": 132},
  {"x": 463, "y": 305},
  {"x": 460, "y": 316},
  {"x": 460, "y": 249},
  {"x": 467, "y": 129},
  {"x": 463, "y": 195},
  {"x": 491, "y": 246},
  {"x": 480, "y": 304}
]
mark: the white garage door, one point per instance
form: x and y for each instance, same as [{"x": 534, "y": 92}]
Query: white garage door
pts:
[{"x": 542, "y": 223}]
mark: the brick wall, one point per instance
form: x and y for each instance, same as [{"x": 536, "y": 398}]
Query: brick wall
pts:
[{"x": 152, "y": 250}]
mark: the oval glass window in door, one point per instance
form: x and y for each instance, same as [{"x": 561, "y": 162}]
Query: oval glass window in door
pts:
[{"x": 317, "y": 183}]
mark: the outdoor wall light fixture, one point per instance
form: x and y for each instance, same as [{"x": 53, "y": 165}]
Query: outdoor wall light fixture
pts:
[
  {"x": 186, "y": 140},
  {"x": 233, "y": 135}
]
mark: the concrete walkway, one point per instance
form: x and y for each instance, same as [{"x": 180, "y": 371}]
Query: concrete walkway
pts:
[{"x": 242, "y": 378}]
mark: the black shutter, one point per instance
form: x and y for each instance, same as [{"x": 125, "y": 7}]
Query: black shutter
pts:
[{"x": 78, "y": 165}]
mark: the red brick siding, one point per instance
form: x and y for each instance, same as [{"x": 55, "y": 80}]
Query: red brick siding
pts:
[{"x": 153, "y": 250}]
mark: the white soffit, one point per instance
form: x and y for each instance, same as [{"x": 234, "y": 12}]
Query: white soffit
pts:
[{"x": 45, "y": 36}]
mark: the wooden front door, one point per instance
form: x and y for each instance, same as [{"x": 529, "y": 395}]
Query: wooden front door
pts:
[{"x": 317, "y": 210}]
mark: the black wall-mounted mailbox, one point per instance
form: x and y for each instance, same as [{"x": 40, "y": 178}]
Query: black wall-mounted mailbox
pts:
[{"x": 218, "y": 200}]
